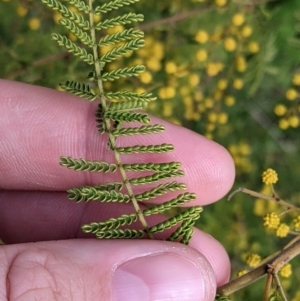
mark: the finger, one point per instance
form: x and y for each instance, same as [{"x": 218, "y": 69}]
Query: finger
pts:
[
  {"x": 50, "y": 217},
  {"x": 99, "y": 270},
  {"x": 39, "y": 125}
]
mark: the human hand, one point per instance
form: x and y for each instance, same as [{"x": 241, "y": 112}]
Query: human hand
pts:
[{"x": 46, "y": 257}]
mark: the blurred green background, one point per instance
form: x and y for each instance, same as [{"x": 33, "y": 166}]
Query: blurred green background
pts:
[{"x": 226, "y": 69}]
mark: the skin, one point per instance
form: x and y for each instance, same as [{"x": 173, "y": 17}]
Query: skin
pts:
[{"x": 46, "y": 256}]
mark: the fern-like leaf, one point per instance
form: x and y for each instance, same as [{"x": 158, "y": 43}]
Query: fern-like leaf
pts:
[
  {"x": 143, "y": 130},
  {"x": 125, "y": 19},
  {"x": 68, "y": 14},
  {"x": 73, "y": 48},
  {"x": 120, "y": 36},
  {"x": 114, "y": 112},
  {"x": 125, "y": 72},
  {"x": 122, "y": 50},
  {"x": 80, "y": 34},
  {"x": 79, "y": 89},
  {"x": 113, "y": 5},
  {"x": 86, "y": 165}
]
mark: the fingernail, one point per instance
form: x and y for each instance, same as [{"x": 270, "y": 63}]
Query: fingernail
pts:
[{"x": 165, "y": 276}]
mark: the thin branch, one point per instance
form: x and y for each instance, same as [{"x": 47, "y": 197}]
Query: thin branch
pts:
[{"x": 277, "y": 261}]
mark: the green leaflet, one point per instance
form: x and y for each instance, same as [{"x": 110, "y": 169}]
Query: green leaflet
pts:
[{"x": 114, "y": 113}]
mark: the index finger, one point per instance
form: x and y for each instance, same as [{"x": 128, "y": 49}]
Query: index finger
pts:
[{"x": 39, "y": 125}]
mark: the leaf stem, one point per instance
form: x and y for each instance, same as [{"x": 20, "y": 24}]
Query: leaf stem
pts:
[{"x": 112, "y": 140}]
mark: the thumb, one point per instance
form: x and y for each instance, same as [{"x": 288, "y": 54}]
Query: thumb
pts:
[{"x": 90, "y": 270}]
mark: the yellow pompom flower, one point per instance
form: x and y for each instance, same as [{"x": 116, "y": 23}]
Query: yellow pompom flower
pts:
[
  {"x": 220, "y": 3},
  {"x": 229, "y": 44},
  {"x": 238, "y": 19},
  {"x": 283, "y": 124},
  {"x": 212, "y": 117},
  {"x": 229, "y": 100},
  {"x": 269, "y": 176},
  {"x": 167, "y": 92},
  {"x": 201, "y": 55},
  {"x": 240, "y": 64},
  {"x": 253, "y": 47},
  {"x": 286, "y": 271},
  {"x": 201, "y": 37},
  {"x": 153, "y": 64},
  {"x": 212, "y": 69},
  {"x": 170, "y": 67},
  {"x": 271, "y": 220},
  {"x": 280, "y": 109},
  {"x": 208, "y": 102},
  {"x": 194, "y": 79},
  {"x": 146, "y": 77},
  {"x": 22, "y": 10},
  {"x": 222, "y": 83},
  {"x": 253, "y": 260},
  {"x": 238, "y": 83},
  {"x": 296, "y": 79},
  {"x": 294, "y": 121},
  {"x": 296, "y": 223},
  {"x": 222, "y": 118},
  {"x": 282, "y": 230},
  {"x": 291, "y": 94},
  {"x": 246, "y": 31},
  {"x": 34, "y": 23}
]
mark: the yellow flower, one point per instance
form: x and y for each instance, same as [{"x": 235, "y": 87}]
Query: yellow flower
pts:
[
  {"x": 283, "y": 230},
  {"x": 296, "y": 79},
  {"x": 21, "y": 10},
  {"x": 253, "y": 260},
  {"x": 269, "y": 176},
  {"x": 294, "y": 121},
  {"x": 167, "y": 109},
  {"x": 229, "y": 44},
  {"x": 222, "y": 83},
  {"x": 201, "y": 55},
  {"x": 280, "y": 109},
  {"x": 34, "y": 23},
  {"x": 222, "y": 118},
  {"x": 208, "y": 102},
  {"x": 259, "y": 207},
  {"x": 271, "y": 220},
  {"x": 229, "y": 100},
  {"x": 212, "y": 69},
  {"x": 146, "y": 77},
  {"x": 166, "y": 92},
  {"x": 296, "y": 223},
  {"x": 246, "y": 31},
  {"x": 240, "y": 64},
  {"x": 201, "y": 36},
  {"x": 220, "y": 2},
  {"x": 153, "y": 64},
  {"x": 115, "y": 29},
  {"x": 212, "y": 117},
  {"x": 194, "y": 79},
  {"x": 238, "y": 19},
  {"x": 291, "y": 94},
  {"x": 238, "y": 83},
  {"x": 286, "y": 271},
  {"x": 253, "y": 47},
  {"x": 158, "y": 50},
  {"x": 170, "y": 67},
  {"x": 283, "y": 124}
]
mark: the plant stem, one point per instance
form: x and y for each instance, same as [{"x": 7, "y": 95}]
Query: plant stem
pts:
[
  {"x": 273, "y": 197},
  {"x": 112, "y": 140},
  {"x": 277, "y": 261}
]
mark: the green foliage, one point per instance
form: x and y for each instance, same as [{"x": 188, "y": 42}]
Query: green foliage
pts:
[{"x": 116, "y": 109}]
